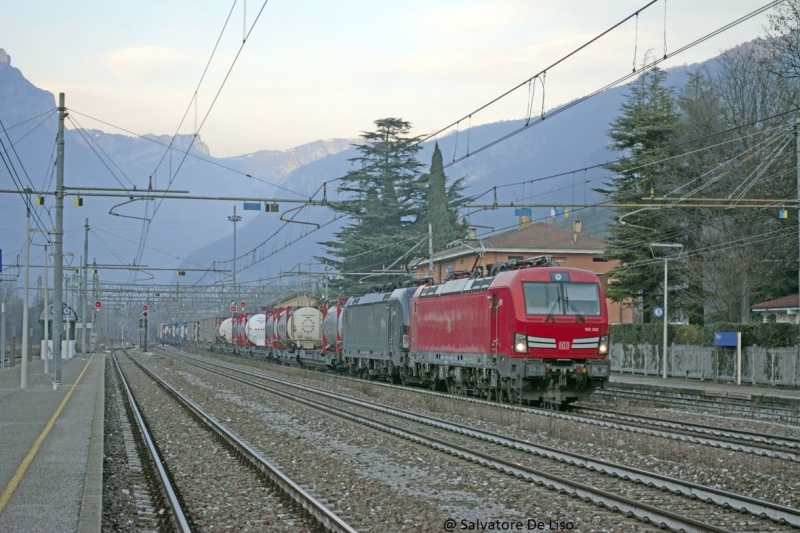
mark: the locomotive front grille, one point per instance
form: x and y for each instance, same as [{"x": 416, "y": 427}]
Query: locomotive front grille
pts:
[
  {"x": 590, "y": 342},
  {"x": 541, "y": 342}
]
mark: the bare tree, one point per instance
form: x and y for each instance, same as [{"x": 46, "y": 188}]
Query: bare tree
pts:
[
  {"x": 740, "y": 256},
  {"x": 783, "y": 38}
]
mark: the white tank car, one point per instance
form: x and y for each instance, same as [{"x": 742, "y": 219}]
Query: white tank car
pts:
[
  {"x": 280, "y": 326},
  {"x": 305, "y": 327},
  {"x": 269, "y": 330},
  {"x": 332, "y": 325},
  {"x": 255, "y": 329},
  {"x": 226, "y": 330}
]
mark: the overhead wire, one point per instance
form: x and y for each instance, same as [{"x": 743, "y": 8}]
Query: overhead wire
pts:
[
  {"x": 187, "y": 153},
  {"x": 614, "y": 83},
  {"x": 146, "y": 224},
  {"x": 17, "y": 180},
  {"x": 92, "y": 143}
]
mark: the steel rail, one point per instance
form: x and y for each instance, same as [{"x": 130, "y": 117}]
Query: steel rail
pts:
[
  {"x": 756, "y": 507},
  {"x": 642, "y": 511},
  {"x": 728, "y": 433},
  {"x": 720, "y": 403},
  {"x": 177, "y": 517},
  {"x": 316, "y": 508}
]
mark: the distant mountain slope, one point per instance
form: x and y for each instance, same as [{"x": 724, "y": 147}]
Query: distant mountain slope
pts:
[{"x": 194, "y": 234}]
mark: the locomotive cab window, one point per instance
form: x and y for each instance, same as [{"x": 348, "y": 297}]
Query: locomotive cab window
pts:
[{"x": 564, "y": 298}]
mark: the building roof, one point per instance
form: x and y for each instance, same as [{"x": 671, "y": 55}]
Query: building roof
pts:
[
  {"x": 785, "y": 302},
  {"x": 537, "y": 238}
]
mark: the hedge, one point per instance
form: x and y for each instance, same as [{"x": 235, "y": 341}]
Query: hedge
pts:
[{"x": 770, "y": 335}]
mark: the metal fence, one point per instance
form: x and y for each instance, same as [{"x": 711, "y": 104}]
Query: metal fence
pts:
[{"x": 767, "y": 366}]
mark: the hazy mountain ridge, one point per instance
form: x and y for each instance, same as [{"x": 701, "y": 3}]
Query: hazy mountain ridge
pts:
[
  {"x": 20, "y": 100},
  {"x": 574, "y": 139}
]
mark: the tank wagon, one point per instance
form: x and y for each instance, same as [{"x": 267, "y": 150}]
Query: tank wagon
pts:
[{"x": 525, "y": 332}]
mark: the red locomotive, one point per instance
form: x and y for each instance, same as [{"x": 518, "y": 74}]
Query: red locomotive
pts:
[{"x": 535, "y": 333}]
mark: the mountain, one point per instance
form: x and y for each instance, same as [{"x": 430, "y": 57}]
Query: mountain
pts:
[{"x": 194, "y": 235}]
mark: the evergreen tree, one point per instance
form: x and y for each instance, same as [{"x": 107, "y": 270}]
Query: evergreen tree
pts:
[
  {"x": 642, "y": 133},
  {"x": 442, "y": 204},
  {"x": 385, "y": 212}
]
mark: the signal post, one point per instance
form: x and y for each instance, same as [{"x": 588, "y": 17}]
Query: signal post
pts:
[{"x": 144, "y": 320}]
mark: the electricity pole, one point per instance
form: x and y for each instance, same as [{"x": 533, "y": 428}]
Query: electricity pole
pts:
[
  {"x": 23, "y": 380},
  {"x": 234, "y": 219},
  {"x": 797, "y": 163},
  {"x": 46, "y": 350},
  {"x": 85, "y": 291},
  {"x": 58, "y": 268}
]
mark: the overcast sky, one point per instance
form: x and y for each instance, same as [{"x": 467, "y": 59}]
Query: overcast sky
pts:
[{"x": 314, "y": 69}]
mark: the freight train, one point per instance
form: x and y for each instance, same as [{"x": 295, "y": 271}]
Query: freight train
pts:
[{"x": 525, "y": 332}]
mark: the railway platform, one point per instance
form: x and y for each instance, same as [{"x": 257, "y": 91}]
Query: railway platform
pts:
[
  {"x": 762, "y": 396},
  {"x": 51, "y": 448}
]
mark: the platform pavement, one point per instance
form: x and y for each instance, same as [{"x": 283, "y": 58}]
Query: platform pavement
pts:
[
  {"x": 745, "y": 391},
  {"x": 60, "y": 470}
]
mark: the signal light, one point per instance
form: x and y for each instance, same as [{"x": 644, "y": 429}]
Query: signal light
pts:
[
  {"x": 79, "y": 201},
  {"x": 40, "y": 200},
  {"x": 180, "y": 273},
  {"x": 273, "y": 208}
]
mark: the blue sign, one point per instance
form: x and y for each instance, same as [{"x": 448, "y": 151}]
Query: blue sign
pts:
[
  {"x": 252, "y": 206},
  {"x": 522, "y": 212},
  {"x": 658, "y": 312},
  {"x": 725, "y": 338}
]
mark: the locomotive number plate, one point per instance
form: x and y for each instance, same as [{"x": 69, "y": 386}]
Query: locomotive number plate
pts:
[{"x": 563, "y": 345}]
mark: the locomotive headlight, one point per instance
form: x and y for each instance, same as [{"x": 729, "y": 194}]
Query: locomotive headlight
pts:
[
  {"x": 520, "y": 343},
  {"x": 602, "y": 348}
]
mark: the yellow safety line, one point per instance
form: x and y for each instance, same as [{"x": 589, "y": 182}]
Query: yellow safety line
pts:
[{"x": 16, "y": 479}]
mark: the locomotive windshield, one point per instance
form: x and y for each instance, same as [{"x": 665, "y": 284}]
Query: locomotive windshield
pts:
[{"x": 561, "y": 298}]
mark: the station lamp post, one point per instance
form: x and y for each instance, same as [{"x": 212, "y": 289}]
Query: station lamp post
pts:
[
  {"x": 678, "y": 248},
  {"x": 235, "y": 218}
]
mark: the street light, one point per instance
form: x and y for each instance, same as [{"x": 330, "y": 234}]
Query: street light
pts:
[
  {"x": 235, "y": 218},
  {"x": 666, "y": 258}
]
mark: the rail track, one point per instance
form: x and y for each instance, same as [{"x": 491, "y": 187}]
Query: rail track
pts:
[
  {"x": 736, "y": 438},
  {"x": 786, "y": 448},
  {"x": 652, "y": 498},
  {"x": 303, "y": 510},
  {"x": 722, "y": 403},
  {"x": 152, "y": 489}
]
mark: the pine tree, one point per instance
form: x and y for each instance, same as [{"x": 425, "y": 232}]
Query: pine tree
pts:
[
  {"x": 642, "y": 134},
  {"x": 442, "y": 203},
  {"x": 385, "y": 212}
]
